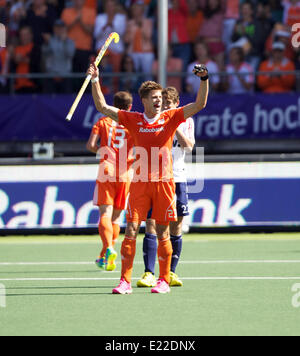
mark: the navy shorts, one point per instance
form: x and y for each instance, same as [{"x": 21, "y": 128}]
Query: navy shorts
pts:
[{"x": 181, "y": 201}]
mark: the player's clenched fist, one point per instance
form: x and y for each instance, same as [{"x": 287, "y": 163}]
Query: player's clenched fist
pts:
[
  {"x": 93, "y": 70},
  {"x": 200, "y": 70}
]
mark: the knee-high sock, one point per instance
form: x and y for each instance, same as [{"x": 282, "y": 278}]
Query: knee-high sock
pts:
[
  {"x": 106, "y": 233},
  {"x": 164, "y": 253},
  {"x": 116, "y": 233},
  {"x": 149, "y": 251},
  {"x": 128, "y": 253},
  {"x": 177, "y": 248}
]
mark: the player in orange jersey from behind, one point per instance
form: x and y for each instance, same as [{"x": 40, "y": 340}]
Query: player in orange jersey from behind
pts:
[
  {"x": 153, "y": 183},
  {"x": 113, "y": 181}
]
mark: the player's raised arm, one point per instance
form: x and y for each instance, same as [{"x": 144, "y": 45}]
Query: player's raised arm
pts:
[
  {"x": 98, "y": 96},
  {"x": 201, "y": 100}
]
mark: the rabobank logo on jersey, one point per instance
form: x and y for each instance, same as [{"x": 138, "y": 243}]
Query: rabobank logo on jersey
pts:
[{"x": 154, "y": 129}]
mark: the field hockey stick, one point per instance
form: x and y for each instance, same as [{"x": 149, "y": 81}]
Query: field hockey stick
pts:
[{"x": 113, "y": 36}]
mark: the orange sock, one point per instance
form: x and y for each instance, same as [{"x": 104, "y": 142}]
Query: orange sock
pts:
[
  {"x": 116, "y": 233},
  {"x": 106, "y": 233},
  {"x": 128, "y": 253},
  {"x": 164, "y": 252}
]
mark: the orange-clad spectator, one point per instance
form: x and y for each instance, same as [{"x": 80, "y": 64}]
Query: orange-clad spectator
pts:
[
  {"x": 291, "y": 12},
  {"x": 276, "y": 82},
  {"x": 80, "y": 24},
  {"x": 194, "y": 20},
  {"x": 24, "y": 60},
  {"x": 138, "y": 37},
  {"x": 174, "y": 65}
]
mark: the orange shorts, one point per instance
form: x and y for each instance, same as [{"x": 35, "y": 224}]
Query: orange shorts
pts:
[
  {"x": 160, "y": 196},
  {"x": 111, "y": 193}
]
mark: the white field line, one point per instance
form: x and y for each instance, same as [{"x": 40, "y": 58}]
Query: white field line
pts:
[
  {"x": 141, "y": 262},
  {"x": 184, "y": 278}
]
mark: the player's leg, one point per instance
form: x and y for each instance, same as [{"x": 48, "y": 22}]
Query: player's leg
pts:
[
  {"x": 116, "y": 224},
  {"x": 149, "y": 254},
  {"x": 105, "y": 225},
  {"x": 138, "y": 205},
  {"x": 176, "y": 240},
  {"x": 176, "y": 230},
  {"x": 128, "y": 250},
  {"x": 150, "y": 246},
  {"x": 111, "y": 254},
  {"x": 164, "y": 211},
  {"x": 105, "y": 231},
  {"x": 120, "y": 202},
  {"x": 104, "y": 196},
  {"x": 120, "y": 197},
  {"x": 164, "y": 253}
]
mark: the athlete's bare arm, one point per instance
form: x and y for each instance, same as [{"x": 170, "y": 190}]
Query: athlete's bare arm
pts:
[
  {"x": 201, "y": 100},
  {"x": 92, "y": 144},
  {"x": 98, "y": 96},
  {"x": 184, "y": 141}
]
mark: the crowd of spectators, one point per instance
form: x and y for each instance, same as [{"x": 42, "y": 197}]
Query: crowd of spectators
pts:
[{"x": 246, "y": 44}]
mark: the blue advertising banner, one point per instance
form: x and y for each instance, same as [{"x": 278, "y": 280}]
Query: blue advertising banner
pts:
[
  {"x": 264, "y": 195},
  {"x": 246, "y": 202},
  {"x": 222, "y": 203},
  {"x": 42, "y": 117},
  {"x": 249, "y": 116}
]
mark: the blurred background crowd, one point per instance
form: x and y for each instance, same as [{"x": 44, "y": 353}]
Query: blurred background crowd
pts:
[{"x": 246, "y": 45}]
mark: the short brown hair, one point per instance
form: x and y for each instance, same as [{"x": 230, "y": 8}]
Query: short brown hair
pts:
[
  {"x": 172, "y": 94},
  {"x": 123, "y": 100},
  {"x": 147, "y": 87}
]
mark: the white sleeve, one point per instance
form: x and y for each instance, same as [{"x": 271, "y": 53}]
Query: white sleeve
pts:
[{"x": 188, "y": 128}]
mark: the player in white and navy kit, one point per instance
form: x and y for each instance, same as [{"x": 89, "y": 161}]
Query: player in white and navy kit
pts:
[{"x": 183, "y": 140}]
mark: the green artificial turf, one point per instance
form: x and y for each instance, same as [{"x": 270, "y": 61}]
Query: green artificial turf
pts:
[{"x": 234, "y": 284}]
